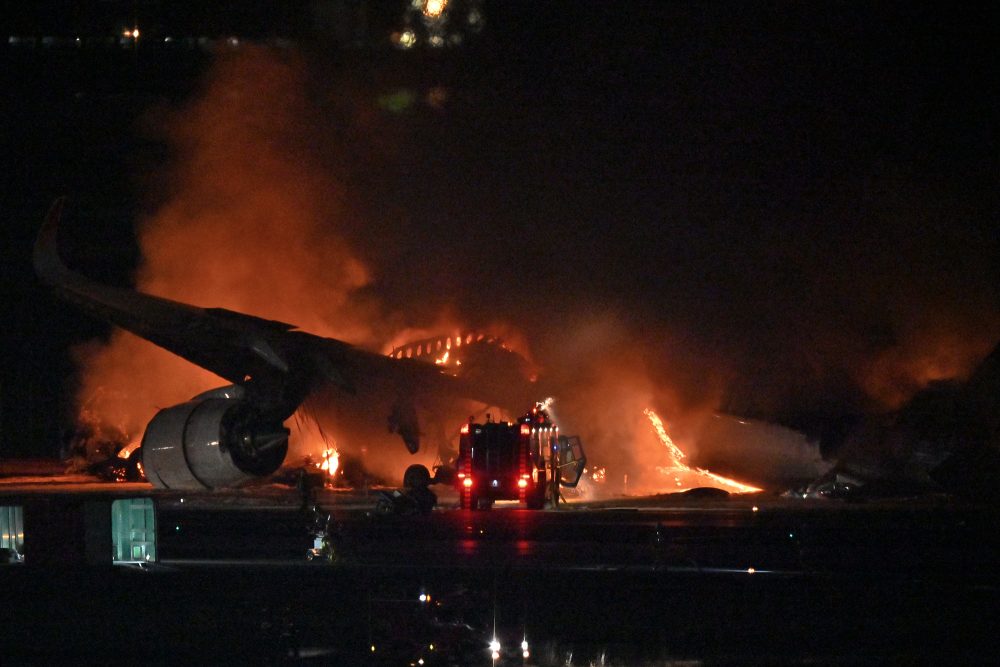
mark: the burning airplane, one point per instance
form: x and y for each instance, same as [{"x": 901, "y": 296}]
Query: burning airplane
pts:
[{"x": 234, "y": 434}]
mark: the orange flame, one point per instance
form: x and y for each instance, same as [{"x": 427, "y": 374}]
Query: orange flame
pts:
[
  {"x": 330, "y": 461},
  {"x": 693, "y": 477}
]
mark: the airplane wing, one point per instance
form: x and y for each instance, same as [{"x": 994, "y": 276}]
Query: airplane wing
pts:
[
  {"x": 276, "y": 364},
  {"x": 231, "y": 345}
]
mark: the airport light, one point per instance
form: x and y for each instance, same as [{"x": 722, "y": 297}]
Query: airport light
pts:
[{"x": 495, "y": 649}]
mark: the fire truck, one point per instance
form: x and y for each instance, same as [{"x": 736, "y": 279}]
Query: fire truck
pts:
[{"x": 527, "y": 461}]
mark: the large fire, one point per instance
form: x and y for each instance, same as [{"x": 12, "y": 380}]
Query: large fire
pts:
[
  {"x": 330, "y": 461},
  {"x": 684, "y": 477}
]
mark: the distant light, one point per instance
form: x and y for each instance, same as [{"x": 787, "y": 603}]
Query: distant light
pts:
[
  {"x": 431, "y": 647},
  {"x": 524, "y": 645},
  {"x": 434, "y": 8},
  {"x": 525, "y": 654},
  {"x": 495, "y": 655},
  {"x": 135, "y": 34},
  {"x": 420, "y": 661},
  {"x": 373, "y": 648},
  {"x": 467, "y": 482},
  {"x": 494, "y": 645},
  {"x": 522, "y": 483},
  {"x": 750, "y": 570},
  {"x": 407, "y": 39},
  {"x": 423, "y": 597},
  {"x": 755, "y": 508}
]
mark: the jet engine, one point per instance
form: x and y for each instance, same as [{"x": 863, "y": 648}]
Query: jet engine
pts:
[{"x": 217, "y": 439}]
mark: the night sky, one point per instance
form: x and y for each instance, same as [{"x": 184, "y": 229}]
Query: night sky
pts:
[{"x": 785, "y": 209}]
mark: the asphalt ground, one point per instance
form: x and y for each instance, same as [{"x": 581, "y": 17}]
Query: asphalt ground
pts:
[{"x": 658, "y": 582}]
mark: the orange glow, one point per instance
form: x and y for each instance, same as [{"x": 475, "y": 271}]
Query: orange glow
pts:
[
  {"x": 467, "y": 482},
  {"x": 522, "y": 483},
  {"x": 127, "y": 450},
  {"x": 693, "y": 477},
  {"x": 434, "y": 8},
  {"x": 330, "y": 461},
  {"x": 465, "y": 428},
  {"x": 525, "y": 429}
]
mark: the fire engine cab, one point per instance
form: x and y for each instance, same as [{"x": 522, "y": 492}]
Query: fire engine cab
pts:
[{"x": 526, "y": 461}]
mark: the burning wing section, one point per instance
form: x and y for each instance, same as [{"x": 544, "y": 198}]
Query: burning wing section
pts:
[{"x": 234, "y": 434}]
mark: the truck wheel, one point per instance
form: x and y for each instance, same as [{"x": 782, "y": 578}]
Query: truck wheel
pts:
[
  {"x": 536, "y": 500},
  {"x": 472, "y": 504},
  {"x": 416, "y": 477}
]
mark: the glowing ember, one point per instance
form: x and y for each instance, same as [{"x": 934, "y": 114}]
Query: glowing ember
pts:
[
  {"x": 127, "y": 450},
  {"x": 693, "y": 477},
  {"x": 330, "y": 461},
  {"x": 599, "y": 475}
]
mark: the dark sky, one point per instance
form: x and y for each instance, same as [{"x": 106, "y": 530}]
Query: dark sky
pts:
[{"x": 794, "y": 202}]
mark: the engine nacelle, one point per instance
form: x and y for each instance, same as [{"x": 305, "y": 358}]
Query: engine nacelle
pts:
[{"x": 214, "y": 440}]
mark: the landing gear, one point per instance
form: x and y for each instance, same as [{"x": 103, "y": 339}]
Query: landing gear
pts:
[
  {"x": 413, "y": 498},
  {"x": 416, "y": 477}
]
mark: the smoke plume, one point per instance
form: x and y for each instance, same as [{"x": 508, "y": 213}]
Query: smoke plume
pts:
[{"x": 292, "y": 195}]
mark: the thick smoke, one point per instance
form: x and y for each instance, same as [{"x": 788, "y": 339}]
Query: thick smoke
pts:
[
  {"x": 250, "y": 222},
  {"x": 294, "y": 196}
]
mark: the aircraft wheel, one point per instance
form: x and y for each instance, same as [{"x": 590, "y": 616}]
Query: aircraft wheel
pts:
[{"x": 416, "y": 477}]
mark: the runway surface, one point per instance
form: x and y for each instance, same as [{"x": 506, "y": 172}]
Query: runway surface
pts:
[{"x": 656, "y": 583}]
